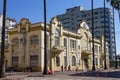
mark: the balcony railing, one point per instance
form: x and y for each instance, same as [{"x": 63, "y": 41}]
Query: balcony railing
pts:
[
  {"x": 57, "y": 49},
  {"x": 86, "y": 53}
]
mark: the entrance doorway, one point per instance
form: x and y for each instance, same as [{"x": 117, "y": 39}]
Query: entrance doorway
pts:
[{"x": 86, "y": 63}]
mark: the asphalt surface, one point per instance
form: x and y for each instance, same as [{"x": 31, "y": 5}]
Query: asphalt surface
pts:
[{"x": 65, "y": 75}]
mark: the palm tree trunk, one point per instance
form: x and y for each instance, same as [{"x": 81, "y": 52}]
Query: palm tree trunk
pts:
[
  {"x": 2, "y": 63},
  {"x": 119, "y": 14},
  {"x": 45, "y": 70},
  {"x": 105, "y": 66},
  {"x": 93, "y": 56},
  {"x": 115, "y": 38}
]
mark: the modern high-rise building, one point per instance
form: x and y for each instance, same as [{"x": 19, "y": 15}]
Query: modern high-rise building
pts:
[
  {"x": 73, "y": 16},
  {"x": 10, "y": 23}
]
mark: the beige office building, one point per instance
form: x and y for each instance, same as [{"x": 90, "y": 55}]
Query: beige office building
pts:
[{"x": 65, "y": 49}]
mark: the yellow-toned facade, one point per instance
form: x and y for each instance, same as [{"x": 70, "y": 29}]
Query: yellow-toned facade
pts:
[{"x": 66, "y": 50}]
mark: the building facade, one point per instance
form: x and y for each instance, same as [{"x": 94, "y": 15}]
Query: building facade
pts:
[
  {"x": 75, "y": 15},
  {"x": 65, "y": 50}
]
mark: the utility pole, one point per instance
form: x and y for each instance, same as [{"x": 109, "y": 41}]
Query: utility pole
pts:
[
  {"x": 45, "y": 70},
  {"x": 93, "y": 56},
  {"x": 105, "y": 66},
  {"x": 2, "y": 60}
]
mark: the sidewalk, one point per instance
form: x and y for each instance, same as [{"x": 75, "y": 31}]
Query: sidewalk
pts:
[{"x": 23, "y": 75}]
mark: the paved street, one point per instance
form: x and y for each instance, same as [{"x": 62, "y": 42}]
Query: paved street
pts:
[{"x": 66, "y": 75}]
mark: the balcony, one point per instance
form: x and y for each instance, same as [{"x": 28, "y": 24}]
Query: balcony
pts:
[
  {"x": 86, "y": 53},
  {"x": 57, "y": 49}
]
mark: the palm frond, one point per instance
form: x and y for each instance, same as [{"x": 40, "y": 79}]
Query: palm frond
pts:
[
  {"x": 108, "y": 0},
  {"x": 115, "y": 3}
]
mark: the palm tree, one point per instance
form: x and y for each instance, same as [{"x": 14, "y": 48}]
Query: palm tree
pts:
[
  {"x": 93, "y": 56},
  {"x": 115, "y": 4},
  {"x": 105, "y": 66},
  {"x": 45, "y": 70},
  {"x": 2, "y": 60}
]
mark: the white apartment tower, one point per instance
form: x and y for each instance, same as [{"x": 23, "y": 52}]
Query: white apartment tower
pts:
[
  {"x": 10, "y": 23},
  {"x": 73, "y": 16}
]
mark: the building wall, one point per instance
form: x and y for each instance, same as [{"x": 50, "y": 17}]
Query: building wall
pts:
[{"x": 66, "y": 50}]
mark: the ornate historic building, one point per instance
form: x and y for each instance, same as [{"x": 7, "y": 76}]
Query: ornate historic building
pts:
[{"x": 65, "y": 49}]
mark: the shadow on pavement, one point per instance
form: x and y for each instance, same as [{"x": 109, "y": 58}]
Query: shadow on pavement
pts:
[{"x": 111, "y": 74}]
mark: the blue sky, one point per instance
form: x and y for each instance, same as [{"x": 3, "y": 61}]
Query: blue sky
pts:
[{"x": 33, "y": 10}]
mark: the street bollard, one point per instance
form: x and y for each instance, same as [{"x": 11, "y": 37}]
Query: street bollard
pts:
[
  {"x": 105, "y": 74},
  {"x": 97, "y": 74},
  {"x": 82, "y": 73},
  {"x": 76, "y": 70}
]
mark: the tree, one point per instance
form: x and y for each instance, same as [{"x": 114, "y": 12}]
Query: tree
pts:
[
  {"x": 2, "y": 63},
  {"x": 45, "y": 70},
  {"x": 115, "y": 4},
  {"x": 105, "y": 66},
  {"x": 93, "y": 56}
]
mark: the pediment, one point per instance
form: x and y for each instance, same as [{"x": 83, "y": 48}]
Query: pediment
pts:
[
  {"x": 84, "y": 26},
  {"x": 24, "y": 21},
  {"x": 56, "y": 22}
]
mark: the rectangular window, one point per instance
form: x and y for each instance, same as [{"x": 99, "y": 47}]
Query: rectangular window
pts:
[
  {"x": 34, "y": 60},
  {"x": 100, "y": 49},
  {"x": 15, "y": 61},
  {"x": 65, "y": 42},
  {"x": 96, "y": 61},
  {"x": 95, "y": 13},
  {"x": 56, "y": 40},
  {"x": 96, "y": 48},
  {"x": 79, "y": 47},
  {"x": 65, "y": 61},
  {"x": 73, "y": 44}
]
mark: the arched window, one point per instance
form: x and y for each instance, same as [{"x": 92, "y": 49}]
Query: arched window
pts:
[
  {"x": 73, "y": 61},
  {"x": 57, "y": 61},
  {"x": 23, "y": 31},
  {"x": 34, "y": 40},
  {"x": 56, "y": 37},
  {"x": 15, "y": 42},
  {"x": 85, "y": 41}
]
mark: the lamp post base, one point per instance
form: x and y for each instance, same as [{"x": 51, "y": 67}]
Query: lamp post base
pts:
[
  {"x": 105, "y": 67},
  {"x": 93, "y": 68}
]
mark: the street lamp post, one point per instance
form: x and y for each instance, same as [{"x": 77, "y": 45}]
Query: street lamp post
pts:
[
  {"x": 45, "y": 70},
  {"x": 2, "y": 61},
  {"x": 105, "y": 66},
  {"x": 93, "y": 56}
]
